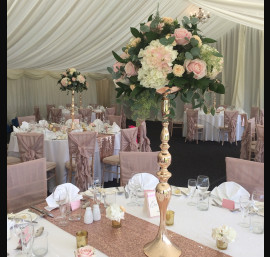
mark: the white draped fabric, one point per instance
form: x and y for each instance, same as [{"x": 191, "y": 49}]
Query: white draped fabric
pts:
[{"x": 46, "y": 37}]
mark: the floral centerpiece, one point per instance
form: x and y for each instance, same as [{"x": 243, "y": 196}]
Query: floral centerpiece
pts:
[
  {"x": 162, "y": 55},
  {"x": 71, "y": 80},
  {"x": 223, "y": 235},
  {"x": 115, "y": 213},
  {"x": 86, "y": 251}
]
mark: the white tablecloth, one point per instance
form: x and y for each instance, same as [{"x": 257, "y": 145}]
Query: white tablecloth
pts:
[
  {"x": 211, "y": 126},
  {"x": 189, "y": 222},
  {"x": 57, "y": 151}
]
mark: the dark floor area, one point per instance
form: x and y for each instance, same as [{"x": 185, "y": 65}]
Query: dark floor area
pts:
[{"x": 190, "y": 159}]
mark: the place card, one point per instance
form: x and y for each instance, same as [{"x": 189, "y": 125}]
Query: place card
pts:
[
  {"x": 151, "y": 203},
  {"x": 229, "y": 204},
  {"x": 75, "y": 205}
]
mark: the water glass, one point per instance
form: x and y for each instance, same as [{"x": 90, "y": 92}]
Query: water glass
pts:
[
  {"x": 203, "y": 201},
  {"x": 60, "y": 195},
  {"x": 257, "y": 213},
  {"x": 191, "y": 191},
  {"x": 202, "y": 184},
  {"x": 40, "y": 245},
  {"x": 109, "y": 198},
  {"x": 244, "y": 206},
  {"x": 76, "y": 214},
  {"x": 27, "y": 238}
]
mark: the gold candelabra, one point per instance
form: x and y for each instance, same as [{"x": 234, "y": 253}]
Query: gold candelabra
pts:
[
  {"x": 80, "y": 100},
  {"x": 161, "y": 246}
]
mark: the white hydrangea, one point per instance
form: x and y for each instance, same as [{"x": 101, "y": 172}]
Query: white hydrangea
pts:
[{"x": 156, "y": 64}]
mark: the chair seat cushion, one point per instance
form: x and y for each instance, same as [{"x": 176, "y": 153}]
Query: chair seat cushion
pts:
[
  {"x": 112, "y": 160},
  {"x": 13, "y": 160},
  {"x": 50, "y": 166}
]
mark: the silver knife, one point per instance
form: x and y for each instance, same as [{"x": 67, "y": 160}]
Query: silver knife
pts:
[{"x": 42, "y": 211}]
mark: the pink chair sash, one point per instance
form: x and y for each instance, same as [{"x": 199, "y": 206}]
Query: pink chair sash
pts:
[
  {"x": 26, "y": 184},
  {"x": 128, "y": 140},
  {"x": 192, "y": 120},
  {"x": 137, "y": 162},
  {"x": 116, "y": 119},
  {"x": 56, "y": 115},
  {"x": 230, "y": 120},
  {"x": 144, "y": 140},
  {"x": 31, "y": 146},
  {"x": 37, "y": 113},
  {"x": 246, "y": 139},
  {"x": 26, "y": 118},
  {"x": 82, "y": 145},
  {"x": 261, "y": 117},
  {"x": 255, "y": 113},
  {"x": 259, "y": 149},
  {"x": 49, "y": 106},
  {"x": 248, "y": 174},
  {"x": 86, "y": 113}
]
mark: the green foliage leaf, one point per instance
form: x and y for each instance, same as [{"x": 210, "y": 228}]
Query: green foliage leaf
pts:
[
  {"x": 205, "y": 109},
  {"x": 213, "y": 111},
  {"x": 186, "y": 20},
  {"x": 217, "y": 54},
  {"x": 164, "y": 41},
  {"x": 151, "y": 36},
  {"x": 118, "y": 58},
  {"x": 194, "y": 42},
  {"x": 150, "y": 17},
  {"x": 208, "y": 40},
  {"x": 195, "y": 51},
  {"x": 194, "y": 20},
  {"x": 188, "y": 55},
  {"x": 220, "y": 89},
  {"x": 144, "y": 28},
  {"x": 135, "y": 32},
  {"x": 170, "y": 76},
  {"x": 110, "y": 70}
]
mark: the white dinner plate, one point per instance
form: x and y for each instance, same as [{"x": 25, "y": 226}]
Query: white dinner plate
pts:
[
  {"x": 22, "y": 216},
  {"x": 177, "y": 191}
]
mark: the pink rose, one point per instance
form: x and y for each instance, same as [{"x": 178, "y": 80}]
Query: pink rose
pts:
[
  {"x": 117, "y": 65},
  {"x": 81, "y": 78},
  {"x": 180, "y": 35},
  {"x": 73, "y": 79},
  {"x": 197, "y": 66},
  {"x": 85, "y": 251},
  {"x": 124, "y": 55},
  {"x": 64, "y": 82},
  {"x": 130, "y": 69}
]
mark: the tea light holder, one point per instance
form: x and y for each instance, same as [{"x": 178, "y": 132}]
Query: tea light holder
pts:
[
  {"x": 169, "y": 218},
  {"x": 81, "y": 238}
]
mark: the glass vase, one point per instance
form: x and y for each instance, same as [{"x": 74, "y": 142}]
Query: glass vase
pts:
[{"x": 221, "y": 245}]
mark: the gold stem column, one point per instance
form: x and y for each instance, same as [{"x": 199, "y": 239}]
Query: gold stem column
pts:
[
  {"x": 161, "y": 245},
  {"x": 72, "y": 110},
  {"x": 80, "y": 100}
]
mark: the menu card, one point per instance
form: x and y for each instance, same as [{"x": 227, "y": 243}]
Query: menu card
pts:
[{"x": 150, "y": 203}]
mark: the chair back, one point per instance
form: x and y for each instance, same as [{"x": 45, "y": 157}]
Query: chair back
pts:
[
  {"x": 26, "y": 118},
  {"x": 129, "y": 140},
  {"x": 137, "y": 162},
  {"x": 94, "y": 105},
  {"x": 243, "y": 119},
  {"x": 26, "y": 184},
  {"x": 248, "y": 174},
  {"x": 82, "y": 148},
  {"x": 86, "y": 113},
  {"x": 37, "y": 113},
  {"x": 116, "y": 119},
  {"x": 192, "y": 120},
  {"x": 187, "y": 106},
  {"x": 49, "y": 107},
  {"x": 110, "y": 111},
  {"x": 247, "y": 139},
  {"x": 230, "y": 121},
  {"x": 124, "y": 119},
  {"x": 56, "y": 115},
  {"x": 144, "y": 141},
  {"x": 261, "y": 117},
  {"x": 259, "y": 149},
  {"x": 31, "y": 146},
  {"x": 76, "y": 116},
  {"x": 255, "y": 113},
  {"x": 68, "y": 105}
]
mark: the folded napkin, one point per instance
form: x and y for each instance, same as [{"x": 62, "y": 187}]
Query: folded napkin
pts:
[
  {"x": 25, "y": 126},
  {"x": 72, "y": 194},
  {"x": 61, "y": 107},
  {"x": 229, "y": 190},
  {"x": 97, "y": 110},
  {"x": 102, "y": 108},
  {"x": 49, "y": 135},
  {"x": 90, "y": 107},
  {"x": 146, "y": 181},
  {"x": 115, "y": 128},
  {"x": 17, "y": 130},
  {"x": 65, "y": 111},
  {"x": 43, "y": 123}
]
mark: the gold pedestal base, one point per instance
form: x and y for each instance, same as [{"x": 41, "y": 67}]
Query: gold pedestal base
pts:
[{"x": 160, "y": 247}]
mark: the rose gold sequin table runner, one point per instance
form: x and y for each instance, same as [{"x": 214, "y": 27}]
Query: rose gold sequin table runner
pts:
[
  {"x": 106, "y": 145},
  {"x": 129, "y": 240}
]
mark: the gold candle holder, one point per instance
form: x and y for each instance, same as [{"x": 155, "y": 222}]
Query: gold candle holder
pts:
[
  {"x": 116, "y": 224},
  {"x": 82, "y": 238},
  {"x": 72, "y": 111},
  {"x": 221, "y": 245},
  {"x": 169, "y": 218},
  {"x": 161, "y": 246},
  {"x": 81, "y": 101}
]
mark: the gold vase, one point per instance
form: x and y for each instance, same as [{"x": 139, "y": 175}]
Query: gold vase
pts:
[
  {"x": 81, "y": 101},
  {"x": 72, "y": 111},
  {"x": 221, "y": 245},
  {"x": 161, "y": 246},
  {"x": 116, "y": 224}
]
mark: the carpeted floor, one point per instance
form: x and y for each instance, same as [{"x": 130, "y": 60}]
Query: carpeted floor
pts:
[{"x": 190, "y": 159}]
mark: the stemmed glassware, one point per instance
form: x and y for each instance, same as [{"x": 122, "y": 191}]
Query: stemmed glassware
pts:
[
  {"x": 257, "y": 212},
  {"x": 244, "y": 201},
  {"x": 136, "y": 190},
  {"x": 202, "y": 185},
  {"x": 192, "y": 183},
  {"x": 60, "y": 195}
]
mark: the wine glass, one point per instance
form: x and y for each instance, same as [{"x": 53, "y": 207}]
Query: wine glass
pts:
[
  {"x": 98, "y": 197},
  {"x": 192, "y": 183},
  {"x": 257, "y": 212},
  {"x": 202, "y": 185},
  {"x": 244, "y": 201},
  {"x": 60, "y": 195}
]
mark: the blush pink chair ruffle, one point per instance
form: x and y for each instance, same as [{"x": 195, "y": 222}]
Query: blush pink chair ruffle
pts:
[
  {"x": 246, "y": 140},
  {"x": 115, "y": 118},
  {"x": 248, "y": 174},
  {"x": 86, "y": 113},
  {"x": 255, "y": 113},
  {"x": 82, "y": 146},
  {"x": 56, "y": 115},
  {"x": 49, "y": 107},
  {"x": 259, "y": 148},
  {"x": 144, "y": 141},
  {"x": 26, "y": 184}
]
